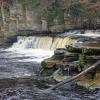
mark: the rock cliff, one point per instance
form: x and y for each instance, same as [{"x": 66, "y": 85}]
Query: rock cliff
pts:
[{"x": 47, "y": 15}]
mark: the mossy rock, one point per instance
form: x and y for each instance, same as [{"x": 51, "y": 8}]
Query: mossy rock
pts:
[
  {"x": 71, "y": 57},
  {"x": 73, "y": 49},
  {"x": 83, "y": 50},
  {"x": 47, "y": 72},
  {"x": 59, "y": 51},
  {"x": 56, "y": 57},
  {"x": 91, "y": 51},
  {"x": 73, "y": 66},
  {"x": 82, "y": 59},
  {"x": 88, "y": 59},
  {"x": 47, "y": 64},
  {"x": 44, "y": 64},
  {"x": 92, "y": 59},
  {"x": 59, "y": 57}
]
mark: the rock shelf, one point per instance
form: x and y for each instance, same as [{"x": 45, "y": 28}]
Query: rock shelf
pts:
[{"x": 71, "y": 61}]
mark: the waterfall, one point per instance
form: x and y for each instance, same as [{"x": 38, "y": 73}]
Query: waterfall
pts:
[
  {"x": 38, "y": 48},
  {"x": 46, "y": 43}
]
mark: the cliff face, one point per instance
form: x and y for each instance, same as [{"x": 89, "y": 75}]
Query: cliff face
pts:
[{"x": 47, "y": 15}]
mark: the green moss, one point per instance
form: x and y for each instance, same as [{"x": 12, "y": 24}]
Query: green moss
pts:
[
  {"x": 24, "y": 3},
  {"x": 76, "y": 9},
  {"x": 91, "y": 51},
  {"x": 48, "y": 64},
  {"x": 73, "y": 49},
  {"x": 86, "y": 51},
  {"x": 55, "y": 12},
  {"x": 33, "y": 3},
  {"x": 82, "y": 59},
  {"x": 44, "y": 64},
  {"x": 71, "y": 58},
  {"x": 47, "y": 72}
]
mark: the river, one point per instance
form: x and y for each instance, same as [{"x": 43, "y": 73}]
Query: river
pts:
[{"x": 19, "y": 78}]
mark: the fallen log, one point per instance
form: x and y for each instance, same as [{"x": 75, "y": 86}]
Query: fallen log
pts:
[{"x": 77, "y": 76}]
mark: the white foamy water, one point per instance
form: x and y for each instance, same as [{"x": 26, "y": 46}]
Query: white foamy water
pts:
[
  {"x": 92, "y": 35},
  {"x": 36, "y": 48},
  {"x": 35, "y": 55},
  {"x": 88, "y": 33},
  {"x": 28, "y": 48}
]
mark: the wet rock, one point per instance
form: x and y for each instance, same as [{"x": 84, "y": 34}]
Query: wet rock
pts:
[
  {"x": 73, "y": 49},
  {"x": 69, "y": 57},
  {"x": 71, "y": 61},
  {"x": 59, "y": 76},
  {"x": 48, "y": 64},
  {"x": 60, "y": 51},
  {"x": 83, "y": 50},
  {"x": 85, "y": 59},
  {"x": 55, "y": 59},
  {"x": 47, "y": 72}
]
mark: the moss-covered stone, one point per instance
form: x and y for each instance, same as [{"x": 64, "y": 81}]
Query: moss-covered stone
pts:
[
  {"x": 88, "y": 59},
  {"x": 69, "y": 57},
  {"x": 48, "y": 64},
  {"x": 59, "y": 51},
  {"x": 83, "y": 50},
  {"x": 47, "y": 72},
  {"x": 91, "y": 51},
  {"x": 73, "y": 49},
  {"x": 82, "y": 59},
  {"x": 73, "y": 60}
]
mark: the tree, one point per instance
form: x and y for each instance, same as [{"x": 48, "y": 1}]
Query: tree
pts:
[{"x": 78, "y": 10}]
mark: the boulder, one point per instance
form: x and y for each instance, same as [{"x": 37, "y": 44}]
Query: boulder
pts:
[
  {"x": 83, "y": 50},
  {"x": 69, "y": 57},
  {"x": 48, "y": 64},
  {"x": 73, "y": 49}
]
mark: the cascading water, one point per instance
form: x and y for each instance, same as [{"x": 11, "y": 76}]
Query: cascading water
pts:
[
  {"x": 38, "y": 48},
  {"x": 46, "y": 43}
]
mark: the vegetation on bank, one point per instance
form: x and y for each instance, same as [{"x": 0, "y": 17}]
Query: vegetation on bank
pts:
[
  {"x": 77, "y": 11},
  {"x": 55, "y": 13},
  {"x": 87, "y": 16},
  {"x": 26, "y": 3}
]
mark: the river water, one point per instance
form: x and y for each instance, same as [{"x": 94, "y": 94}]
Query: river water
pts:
[
  {"x": 19, "y": 74},
  {"x": 19, "y": 80}
]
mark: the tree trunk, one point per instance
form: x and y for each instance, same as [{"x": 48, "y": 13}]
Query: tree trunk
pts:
[{"x": 77, "y": 76}]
